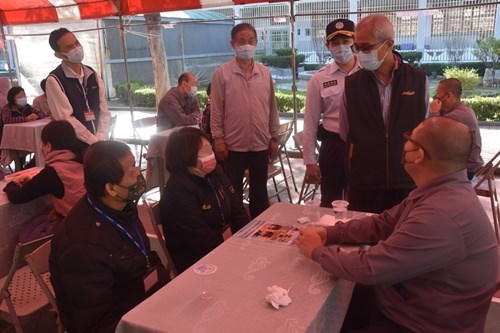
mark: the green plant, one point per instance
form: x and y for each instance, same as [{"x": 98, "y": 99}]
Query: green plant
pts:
[
  {"x": 145, "y": 96},
  {"x": 122, "y": 92},
  {"x": 468, "y": 78},
  {"x": 488, "y": 50},
  {"x": 284, "y": 102},
  {"x": 486, "y": 108},
  {"x": 202, "y": 99}
]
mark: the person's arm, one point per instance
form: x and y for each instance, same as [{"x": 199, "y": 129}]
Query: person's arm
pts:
[
  {"x": 172, "y": 107},
  {"x": 217, "y": 115},
  {"x": 7, "y": 117},
  {"x": 61, "y": 109},
  {"x": 239, "y": 217},
  {"x": 45, "y": 182},
  {"x": 38, "y": 112},
  {"x": 104, "y": 114},
  {"x": 312, "y": 116}
]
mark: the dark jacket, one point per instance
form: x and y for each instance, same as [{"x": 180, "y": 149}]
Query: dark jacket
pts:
[
  {"x": 374, "y": 152},
  {"x": 96, "y": 271},
  {"x": 191, "y": 216},
  {"x": 76, "y": 96}
]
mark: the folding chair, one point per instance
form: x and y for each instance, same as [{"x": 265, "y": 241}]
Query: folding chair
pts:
[
  {"x": 111, "y": 130},
  {"x": 485, "y": 186},
  {"x": 139, "y": 126},
  {"x": 38, "y": 262},
  {"x": 152, "y": 199},
  {"x": 20, "y": 295},
  {"x": 305, "y": 192},
  {"x": 283, "y": 128}
]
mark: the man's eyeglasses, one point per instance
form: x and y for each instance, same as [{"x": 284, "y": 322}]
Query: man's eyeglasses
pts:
[
  {"x": 365, "y": 48},
  {"x": 407, "y": 137}
]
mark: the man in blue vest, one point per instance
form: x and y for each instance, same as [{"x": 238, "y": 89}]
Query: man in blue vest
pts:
[
  {"x": 75, "y": 92},
  {"x": 384, "y": 100}
]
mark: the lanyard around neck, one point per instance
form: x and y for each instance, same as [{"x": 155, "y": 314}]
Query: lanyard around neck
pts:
[{"x": 141, "y": 245}]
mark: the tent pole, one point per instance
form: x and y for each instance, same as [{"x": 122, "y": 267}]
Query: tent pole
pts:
[
  {"x": 294, "y": 65},
  {"x": 124, "y": 51},
  {"x": 7, "y": 55}
]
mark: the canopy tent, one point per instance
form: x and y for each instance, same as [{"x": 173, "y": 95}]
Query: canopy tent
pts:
[{"x": 46, "y": 11}]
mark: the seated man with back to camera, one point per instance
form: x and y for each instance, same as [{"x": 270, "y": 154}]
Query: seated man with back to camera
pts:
[
  {"x": 179, "y": 106},
  {"x": 433, "y": 263},
  {"x": 199, "y": 204},
  {"x": 101, "y": 264}
]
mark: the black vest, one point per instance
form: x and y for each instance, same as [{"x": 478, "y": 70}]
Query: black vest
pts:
[
  {"x": 74, "y": 92},
  {"x": 374, "y": 153}
]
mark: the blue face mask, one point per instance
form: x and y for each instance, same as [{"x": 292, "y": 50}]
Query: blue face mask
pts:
[{"x": 369, "y": 61}]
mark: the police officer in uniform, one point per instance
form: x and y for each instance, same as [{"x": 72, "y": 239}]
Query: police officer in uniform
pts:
[{"x": 321, "y": 119}]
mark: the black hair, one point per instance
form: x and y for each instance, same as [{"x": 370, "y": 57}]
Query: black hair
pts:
[
  {"x": 240, "y": 27},
  {"x": 55, "y": 36},
  {"x": 11, "y": 94},
  {"x": 101, "y": 165},
  {"x": 183, "y": 147}
]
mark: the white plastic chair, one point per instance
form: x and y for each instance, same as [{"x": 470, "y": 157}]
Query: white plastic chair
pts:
[
  {"x": 38, "y": 262},
  {"x": 20, "y": 295}
]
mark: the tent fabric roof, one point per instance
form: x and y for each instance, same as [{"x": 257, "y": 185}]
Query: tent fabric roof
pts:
[{"x": 44, "y": 11}]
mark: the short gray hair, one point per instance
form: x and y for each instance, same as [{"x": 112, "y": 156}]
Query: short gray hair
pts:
[{"x": 380, "y": 25}]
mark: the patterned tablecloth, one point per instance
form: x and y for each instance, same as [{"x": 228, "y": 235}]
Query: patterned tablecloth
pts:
[
  {"x": 24, "y": 137},
  {"x": 246, "y": 265}
]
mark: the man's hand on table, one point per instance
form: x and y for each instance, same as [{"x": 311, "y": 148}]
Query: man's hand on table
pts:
[{"x": 311, "y": 238}]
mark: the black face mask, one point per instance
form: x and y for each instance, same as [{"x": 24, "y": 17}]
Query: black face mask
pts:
[{"x": 135, "y": 191}]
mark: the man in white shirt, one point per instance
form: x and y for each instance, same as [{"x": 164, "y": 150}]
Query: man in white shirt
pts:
[
  {"x": 75, "y": 92},
  {"x": 324, "y": 94}
]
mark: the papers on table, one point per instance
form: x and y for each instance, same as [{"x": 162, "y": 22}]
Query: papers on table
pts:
[
  {"x": 268, "y": 231},
  {"x": 23, "y": 175}
]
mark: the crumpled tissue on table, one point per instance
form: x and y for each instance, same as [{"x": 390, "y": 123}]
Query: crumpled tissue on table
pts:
[
  {"x": 278, "y": 296},
  {"x": 329, "y": 220}
]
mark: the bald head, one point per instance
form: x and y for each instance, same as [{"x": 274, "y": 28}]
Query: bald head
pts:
[
  {"x": 379, "y": 25},
  {"x": 451, "y": 85},
  {"x": 447, "y": 141}
]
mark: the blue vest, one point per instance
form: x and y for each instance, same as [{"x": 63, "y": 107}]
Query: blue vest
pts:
[{"x": 74, "y": 91}]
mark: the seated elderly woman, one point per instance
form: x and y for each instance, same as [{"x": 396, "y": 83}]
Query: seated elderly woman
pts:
[
  {"x": 17, "y": 109},
  {"x": 198, "y": 203},
  {"x": 62, "y": 178}
]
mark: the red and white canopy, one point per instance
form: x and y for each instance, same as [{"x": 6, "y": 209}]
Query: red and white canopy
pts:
[{"x": 14, "y": 12}]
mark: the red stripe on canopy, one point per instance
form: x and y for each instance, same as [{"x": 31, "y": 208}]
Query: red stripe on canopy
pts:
[{"x": 42, "y": 11}]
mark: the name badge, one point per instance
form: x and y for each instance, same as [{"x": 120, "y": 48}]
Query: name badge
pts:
[
  {"x": 89, "y": 116},
  {"x": 150, "y": 278}
]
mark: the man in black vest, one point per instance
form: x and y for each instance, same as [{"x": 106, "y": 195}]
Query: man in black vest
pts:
[
  {"x": 75, "y": 92},
  {"x": 384, "y": 100}
]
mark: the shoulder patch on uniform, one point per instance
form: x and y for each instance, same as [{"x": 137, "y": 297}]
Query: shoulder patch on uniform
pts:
[
  {"x": 408, "y": 93},
  {"x": 206, "y": 207},
  {"x": 330, "y": 83}
]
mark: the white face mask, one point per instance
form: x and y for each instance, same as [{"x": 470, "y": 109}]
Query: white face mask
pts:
[
  {"x": 245, "y": 52},
  {"x": 369, "y": 61},
  {"x": 341, "y": 53},
  {"x": 193, "y": 91},
  {"x": 76, "y": 55},
  {"x": 22, "y": 101}
]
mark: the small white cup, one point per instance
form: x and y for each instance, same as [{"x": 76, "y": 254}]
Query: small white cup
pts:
[
  {"x": 340, "y": 208},
  {"x": 311, "y": 210}
]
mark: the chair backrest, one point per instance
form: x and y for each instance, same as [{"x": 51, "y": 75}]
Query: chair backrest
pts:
[
  {"x": 282, "y": 139},
  {"x": 140, "y": 124},
  {"x": 152, "y": 200},
  {"x": 112, "y": 125},
  {"x": 285, "y": 126},
  {"x": 38, "y": 261}
]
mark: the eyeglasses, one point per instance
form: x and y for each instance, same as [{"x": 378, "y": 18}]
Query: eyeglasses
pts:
[
  {"x": 407, "y": 137},
  {"x": 365, "y": 48}
]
